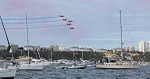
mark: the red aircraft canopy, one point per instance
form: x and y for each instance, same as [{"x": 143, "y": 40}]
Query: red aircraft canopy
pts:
[
  {"x": 69, "y": 24},
  {"x": 64, "y": 19},
  {"x": 61, "y": 16},
  {"x": 71, "y": 28},
  {"x": 70, "y": 21}
]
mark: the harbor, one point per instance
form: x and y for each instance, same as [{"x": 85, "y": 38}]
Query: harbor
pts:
[
  {"x": 74, "y": 39},
  {"x": 89, "y": 72}
]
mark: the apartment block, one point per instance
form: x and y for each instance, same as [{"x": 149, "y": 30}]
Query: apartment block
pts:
[
  {"x": 141, "y": 46},
  {"x": 144, "y": 46}
]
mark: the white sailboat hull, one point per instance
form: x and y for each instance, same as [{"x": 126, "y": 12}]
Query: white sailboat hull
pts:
[
  {"x": 7, "y": 73},
  {"x": 117, "y": 66},
  {"x": 30, "y": 67},
  {"x": 44, "y": 63},
  {"x": 47, "y": 63}
]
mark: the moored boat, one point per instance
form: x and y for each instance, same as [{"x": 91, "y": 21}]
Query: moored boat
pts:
[
  {"x": 61, "y": 67},
  {"x": 76, "y": 66},
  {"x": 110, "y": 63},
  {"x": 113, "y": 64},
  {"x": 7, "y": 73}
]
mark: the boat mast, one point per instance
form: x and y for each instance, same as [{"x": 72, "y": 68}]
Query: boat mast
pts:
[
  {"x": 73, "y": 55},
  {"x": 27, "y": 38},
  {"x": 8, "y": 48},
  {"x": 82, "y": 55},
  {"x": 5, "y": 32},
  {"x": 121, "y": 35},
  {"x": 51, "y": 56}
]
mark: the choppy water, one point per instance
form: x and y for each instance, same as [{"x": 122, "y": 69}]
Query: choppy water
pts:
[{"x": 88, "y": 73}]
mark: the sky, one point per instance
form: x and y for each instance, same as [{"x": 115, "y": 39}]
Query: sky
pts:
[{"x": 96, "y": 22}]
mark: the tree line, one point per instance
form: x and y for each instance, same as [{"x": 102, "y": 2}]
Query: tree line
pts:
[{"x": 47, "y": 54}]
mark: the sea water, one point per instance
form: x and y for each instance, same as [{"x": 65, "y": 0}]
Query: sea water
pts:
[{"x": 90, "y": 72}]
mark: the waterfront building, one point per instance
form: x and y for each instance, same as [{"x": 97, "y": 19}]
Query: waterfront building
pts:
[
  {"x": 2, "y": 47},
  {"x": 14, "y": 46},
  {"x": 144, "y": 46},
  {"x": 30, "y": 47},
  {"x": 74, "y": 48},
  {"x": 100, "y": 50},
  {"x": 36, "y": 48},
  {"x": 117, "y": 50},
  {"x": 55, "y": 48},
  {"x": 129, "y": 49},
  {"x": 84, "y": 49},
  {"x": 64, "y": 48},
  {"x": 147, "y": 46},
  {"x": 141, "y": 46}
]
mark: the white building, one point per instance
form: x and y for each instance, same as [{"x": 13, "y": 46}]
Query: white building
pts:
[
  {"x": 100, "y": 50},
  {"x": 117, "y": 50},
  {"x": 30, "y": 47},
  {"x": 36, "y": 48},
  {"x": 64, "y": 48},
  {"x": 141, "y": 46},
  {"x": 74, "y": 48},
  {"x": 54, "y": 47},
  {"x": 147, "y": 46},
  {"x": 129, "y": 49},
  {"x": 85, "y": 49},
  {"x": 14, "y": 46}
]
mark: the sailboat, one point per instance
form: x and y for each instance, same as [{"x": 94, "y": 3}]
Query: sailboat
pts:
[
  {"x": 29, "y": 65},
  {"x": 7, "y": 71},
  {"x": 112, "y": 63},
  {"x": 42, "y": 61}
]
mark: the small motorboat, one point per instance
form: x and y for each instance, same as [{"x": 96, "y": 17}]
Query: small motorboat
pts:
[
  {"x": 60, "y": 67},
  {"x": 76, "y": 66}
]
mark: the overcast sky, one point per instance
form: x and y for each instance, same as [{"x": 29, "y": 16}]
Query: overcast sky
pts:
[{"x": 96, "y": 22}]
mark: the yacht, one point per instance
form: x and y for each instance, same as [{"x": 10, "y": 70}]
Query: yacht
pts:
[
  {"x": 110, "y": 63},
  {"x": 6, "y": 71},
  {"x": 76, "y": 66},
  {"x": 29, "y": 65},
  {"x": 115, "y": 64}
]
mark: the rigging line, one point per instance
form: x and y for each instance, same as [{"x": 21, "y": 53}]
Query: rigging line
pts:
[
  {"x": 125, "y": 38},
  {"x": 131, "y": 40}
]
